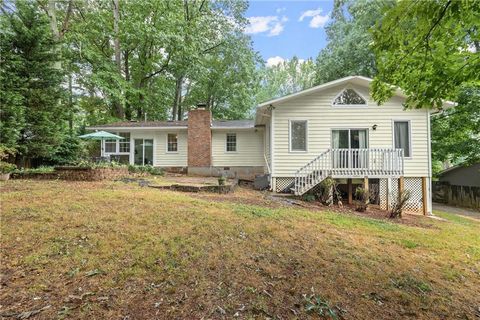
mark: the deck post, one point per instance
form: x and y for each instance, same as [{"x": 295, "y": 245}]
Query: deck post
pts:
[
  {"x": 350, "y": 191},
  {"x": 365, "y": 183},
  {"x": 388, "y": 193},
  {"x": 424, "y": 195},
  {"x": 401, "y": 186}
]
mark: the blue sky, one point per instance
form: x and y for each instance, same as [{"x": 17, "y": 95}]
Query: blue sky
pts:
[{"x": 283, "y": 29}]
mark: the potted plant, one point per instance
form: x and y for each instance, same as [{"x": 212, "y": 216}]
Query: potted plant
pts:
[
  {"x": 5, "y": 167},
  {"x": 5, "y": 170},
  {"x": 221, "y": 181}
]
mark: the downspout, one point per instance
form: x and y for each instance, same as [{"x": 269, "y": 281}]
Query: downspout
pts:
[
  {"x": 272, "y": 149},
  {"x": 429, "y": 180}
]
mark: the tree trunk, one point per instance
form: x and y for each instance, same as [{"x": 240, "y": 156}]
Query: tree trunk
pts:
[
  {"x": 70, "y": 103},
  {"x": 177, "y": 99},
  {"x": 118, "y": 58},
  {"x": 128, "y": 108},
  {"x": 116, "y": 41}
]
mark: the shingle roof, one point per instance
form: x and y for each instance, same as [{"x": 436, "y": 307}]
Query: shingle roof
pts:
[
  {"x": 142, "y": 124},
  {"x": 171, "y": 124},
  {"x": 233, "y": 124}
]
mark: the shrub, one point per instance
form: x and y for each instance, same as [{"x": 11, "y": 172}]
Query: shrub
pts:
[
  {"x": 6, "y": 167},
  {"x": 308, "y": 197},
  {"x": 329, "y": 192},
  {"x": 399, "y": 206},
  {"x": 5, "y": 152},
  {"x": 362, "y": 199},
  {"x": 68, "y": 152},
  {"x": 42, "y": 169},
  {"x": 221, "y": 181},
  {"x": 145, "y": 169}
]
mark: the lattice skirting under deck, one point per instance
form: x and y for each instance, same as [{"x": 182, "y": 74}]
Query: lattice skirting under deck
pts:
[
  {"x": 283, "y": 184},
  {"x": 414, "y": 185}
]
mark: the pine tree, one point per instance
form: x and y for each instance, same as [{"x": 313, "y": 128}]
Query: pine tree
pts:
[{"x": 32, "y": 113}]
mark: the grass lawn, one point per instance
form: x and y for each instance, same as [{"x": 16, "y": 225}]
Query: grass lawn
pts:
[{"x": 110, "y": 250}]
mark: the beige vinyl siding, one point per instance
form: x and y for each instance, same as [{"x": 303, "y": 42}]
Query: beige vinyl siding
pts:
[
  {"x": 162, "y": 158},
  {"x": 322, "y": 117},
  {"x": 249, "y": 148},
  {"x": 267, "y": 144}
]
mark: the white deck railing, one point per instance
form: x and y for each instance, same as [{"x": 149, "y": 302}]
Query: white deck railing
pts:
[{"x": 351, "y": 163}]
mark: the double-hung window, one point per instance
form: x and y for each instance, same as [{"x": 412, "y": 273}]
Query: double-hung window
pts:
[
  {"x": 231, "y": 142},
  {"x": 124, "y": 144},
  {"x": 110, "y": 146},
  {"x": 401, "y": 137},
  {"x": 172, "y": 142},
  {"x": 118, "y": 146},
  {"x": 298, "y": 135}
]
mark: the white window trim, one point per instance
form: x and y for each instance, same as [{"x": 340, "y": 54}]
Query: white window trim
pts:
[
  {"x": 236, "y": 142},
  {"x": 349, "y": 141},
  {"x": 166, "y": 143},
  {"x": 409, "y": 136},
  {"x": 290, "y": 136},
  {"x": 349, "y": 105},
  {"x": 117, "y": 146}
]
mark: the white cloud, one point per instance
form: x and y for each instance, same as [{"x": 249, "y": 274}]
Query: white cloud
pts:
[
  {"x": 272, "y": 24},
  {"x": 274, "y": 61},
  {"x": 318, "y": 20},
  {"x": 279, "y": 10}
]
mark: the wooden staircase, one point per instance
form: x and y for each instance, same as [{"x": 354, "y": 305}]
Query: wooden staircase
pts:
[{"x": 348, "y": 163}]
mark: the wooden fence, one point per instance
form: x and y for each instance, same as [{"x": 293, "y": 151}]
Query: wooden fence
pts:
[{"x": 462, "y": 196}]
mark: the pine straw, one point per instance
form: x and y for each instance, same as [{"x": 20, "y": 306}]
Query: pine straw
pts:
[{"x": 105, "y": 250}]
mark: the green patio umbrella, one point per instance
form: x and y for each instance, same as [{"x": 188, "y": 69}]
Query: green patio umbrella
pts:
[{"x": 101, "y": 135}]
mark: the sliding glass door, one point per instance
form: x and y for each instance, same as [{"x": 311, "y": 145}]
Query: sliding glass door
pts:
[
  {"x": 349, "y": 148},
  {"x": 143, "y": 152}
]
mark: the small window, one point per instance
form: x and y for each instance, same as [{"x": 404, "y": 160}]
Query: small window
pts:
[
  {"x": 110, "y": 146},
  {"x": 349, "y": 97},
  {"x": 298, "y": 135},
  {"x": 172, "y": 142},
  {"x": 124, "y": 144},
  {"x": 231, "y": 142},
  {"x": 401, "y": 134}
]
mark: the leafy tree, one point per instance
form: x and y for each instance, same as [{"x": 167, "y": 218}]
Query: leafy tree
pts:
[
  {"x": 429, "y": 49},
  {"x": 456, "y": 131},
  {"x": 34, "y": 88},
  {"x": 348, "y": 49},
  {"x": 227, "y": 82},
  {"x": 285, "y": 78}
]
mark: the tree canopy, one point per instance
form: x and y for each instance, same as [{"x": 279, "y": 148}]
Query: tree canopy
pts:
[{"x": 430, "y": 49}]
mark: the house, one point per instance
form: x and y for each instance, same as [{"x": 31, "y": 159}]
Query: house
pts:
[
  {"x": 334, "y": 129},
  {"x": 467, "y": 176},
  {"x": 458, "y": 186}
]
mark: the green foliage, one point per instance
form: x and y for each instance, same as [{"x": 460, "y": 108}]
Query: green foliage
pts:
[
  {"x": 320, "y": 306},
  {"x": 348, "y": 50},
  {"x": 69, "y": 151},
  {"x": 427, "y": 48},
  {"x": 285, "y": 78},
  {"x": 362, "y": 199},
  {"x": 42, "y": 169},
  {"x": 462, "y": 143},
  {"x": 308, "y": 197},
  {"x": 145, "y": 169},
  {"x": 31, "y": 93},
  {"x": 6, "y": 167}
]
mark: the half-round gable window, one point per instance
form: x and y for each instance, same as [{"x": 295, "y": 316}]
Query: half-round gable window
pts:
[{"x": 349, "y": 97}]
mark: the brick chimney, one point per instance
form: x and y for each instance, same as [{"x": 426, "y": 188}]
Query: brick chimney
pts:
[{"x": 199, "y": 139}]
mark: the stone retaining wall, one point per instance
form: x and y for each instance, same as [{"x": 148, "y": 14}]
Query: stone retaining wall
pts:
[{"x": 77, "y": 174}]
